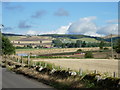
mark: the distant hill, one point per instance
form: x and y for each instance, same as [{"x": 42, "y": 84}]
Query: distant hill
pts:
[
  {"x": 8, "y": 34},
  {"x": 68, "y": 37},
  {"x": 108, "y": 38}
]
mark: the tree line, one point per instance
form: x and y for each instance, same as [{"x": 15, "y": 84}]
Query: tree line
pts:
[{"x": 59, "y": 44}]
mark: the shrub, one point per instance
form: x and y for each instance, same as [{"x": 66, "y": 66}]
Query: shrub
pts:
[
  {"x": 79, "y": 50},
  {"x": 106, "y": 48},
  {"x": 88, "y": 55}
]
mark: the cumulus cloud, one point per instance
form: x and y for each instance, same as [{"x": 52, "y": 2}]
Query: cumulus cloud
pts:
[
  {"x": 24, "y": 25},
  {"x": 38, "y": 14},
  {"x": 63, "y": 29},
  {"x": 87, "y": 26},
  {"x": 83, "y": 26},
  {"x": 109, "y": 29},
  {"x": 31, "y": 32},
  {"x": 61, "y": 12}
]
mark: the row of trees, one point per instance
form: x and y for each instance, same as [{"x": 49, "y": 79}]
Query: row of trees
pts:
[{"x": 58, "y": 43}]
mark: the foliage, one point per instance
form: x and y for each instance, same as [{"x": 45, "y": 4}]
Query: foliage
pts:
[
  {"x": 79, "y": 50},
  {"x": 88, "y": 54},
  {"x": 106, "y": 48},
  {"x": 117, "y": 47},
  {"x": 78, "y": 43},
  {"x": 102, "y": 44},
  {"x": 57, "y": 43},
  {"x": 7, "y": 47}
]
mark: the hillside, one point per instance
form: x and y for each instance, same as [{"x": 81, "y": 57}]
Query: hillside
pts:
[
  {"x": 66, "y": 37},
  {"x": 74, "y": 37},
  {"x": 108, "y": 38}
]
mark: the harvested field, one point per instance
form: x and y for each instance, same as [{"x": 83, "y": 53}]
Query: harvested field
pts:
[
  {"x": 101, "y": 65},
  {"x": 54, "y": 50}
]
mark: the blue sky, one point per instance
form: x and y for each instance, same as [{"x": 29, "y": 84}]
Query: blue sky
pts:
[{"x": 90, "y": 18}]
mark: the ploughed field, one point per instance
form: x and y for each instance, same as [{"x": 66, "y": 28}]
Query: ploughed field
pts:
[{"x": 100, "y": 65}]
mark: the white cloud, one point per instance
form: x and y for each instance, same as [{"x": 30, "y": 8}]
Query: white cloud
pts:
[
  {"x": 109, "y": 29},
  {"x": 83, "y": 26},
  {"x": 61, "y": 30},
  {"x": 31, "y": 32}
]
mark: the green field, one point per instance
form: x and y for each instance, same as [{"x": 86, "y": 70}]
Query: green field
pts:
[
  {"x": 31, "y": 49},
  {"x": 12, "y": 38},
  {"x": 82, "y": 39}
]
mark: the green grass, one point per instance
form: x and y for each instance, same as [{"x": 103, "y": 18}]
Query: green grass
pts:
[
  {"x": 92, "y": 40},
  {"x": 26, "y": 49},
  {"x": 51, "y": 57},
  {"x": 33, "y": 49},
  {"x": 86, "y": 39},
  {"x": 12, "y": 38}
]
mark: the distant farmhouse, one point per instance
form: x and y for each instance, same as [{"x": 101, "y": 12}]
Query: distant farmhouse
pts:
[{"x": 34, "y": 41}]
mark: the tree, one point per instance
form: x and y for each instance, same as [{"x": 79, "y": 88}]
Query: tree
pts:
[
  {"x": 78, "y": 43},
  {"x": 57, "y": 43},
  {"x": 101, "y": 45},
  {"x": 88, "y": 54},
  {"x": 84, "y": 44},
  {"x": 7, "y": 47},
  {"x": 117, "y": 47}
]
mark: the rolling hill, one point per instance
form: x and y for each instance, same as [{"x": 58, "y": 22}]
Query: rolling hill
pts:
[{"x": 67, "y": 37}]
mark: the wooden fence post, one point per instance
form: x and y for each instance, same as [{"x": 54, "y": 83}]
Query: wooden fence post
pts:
[
  {"x": 68, "y": 69},
  {"x": 28, "y": 60},
  {"x": 22, "y": 60},
  {"x": 114, "y": 74},
  {"x": 95, "y": 72},
  {"x": 18, "y": 60},
  {"x": 45, "y": 65},
  {"x": 40, "y": 64},
  {"x": 80, "y": 72}
]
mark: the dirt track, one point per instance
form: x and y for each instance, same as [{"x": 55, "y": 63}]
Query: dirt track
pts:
[{"x": 101, "y": 65}]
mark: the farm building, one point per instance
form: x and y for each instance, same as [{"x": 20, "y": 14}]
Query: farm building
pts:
[{"x": 34, "y": 41}]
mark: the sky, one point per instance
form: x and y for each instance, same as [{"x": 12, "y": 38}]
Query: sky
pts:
[{"x": 88, "y": 18}]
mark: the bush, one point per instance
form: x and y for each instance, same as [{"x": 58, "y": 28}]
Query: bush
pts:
[
  {"x": 105, "y": 48},
  {"x": 79, "y": 50},
  {"x": 88, "y": 55}
]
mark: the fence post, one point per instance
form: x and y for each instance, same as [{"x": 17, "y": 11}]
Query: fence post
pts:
[
  {"x": 95, "y": 72},
  {"x": 40, "y": 64},
  {"x": 22, "y": 60},
  {"x": 68, "y": 69},
  {"x": 28, "y": 60},
  {"x": 45, "y": 65},
  {"x": 114, "y": 74},
  {"x": 80, "y": 72},
  {"x": 18, "y": 60}
]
